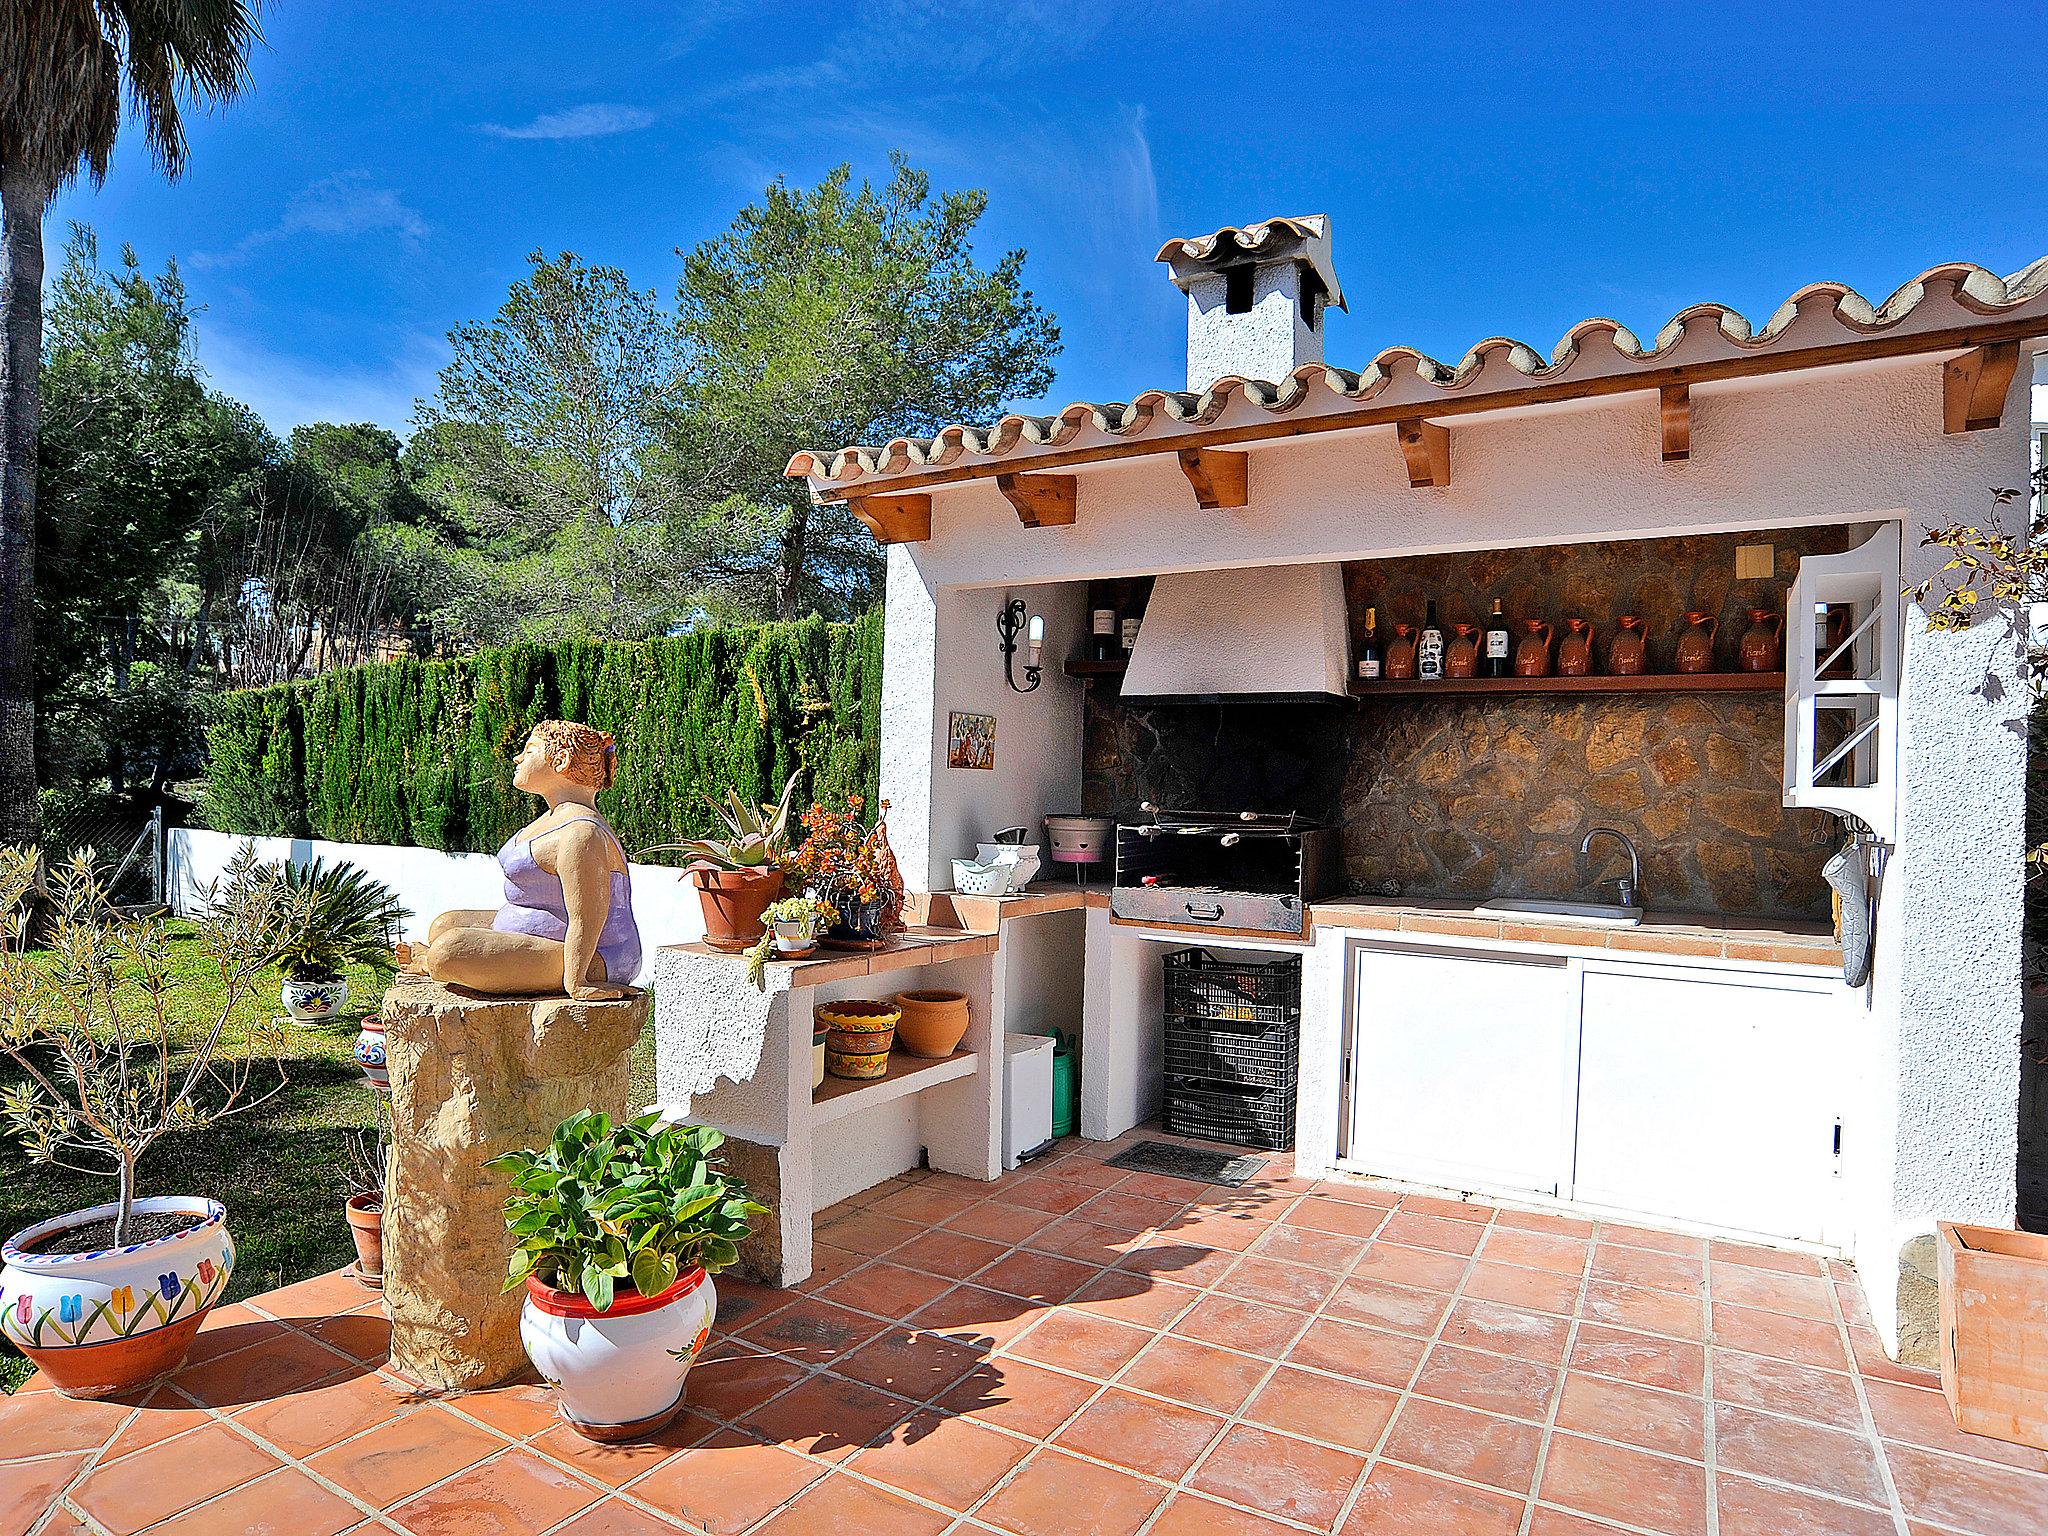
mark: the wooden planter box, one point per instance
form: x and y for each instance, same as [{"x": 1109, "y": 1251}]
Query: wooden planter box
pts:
[{"x": 1994, "y": 1332}]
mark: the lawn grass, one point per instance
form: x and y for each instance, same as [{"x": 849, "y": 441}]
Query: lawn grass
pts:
[{"x": 281, "y": 1168}]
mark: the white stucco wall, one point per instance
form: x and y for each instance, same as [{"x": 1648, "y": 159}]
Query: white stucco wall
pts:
[
  {"x": 1842, "y": 445},
  {"x": 939, "y": 655}
]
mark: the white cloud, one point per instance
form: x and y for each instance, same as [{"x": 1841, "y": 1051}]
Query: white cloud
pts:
[
  {"x": 289, "y": 391},
  {"x": 347, "y": 206},
  {"x": 592, "y": 120}
]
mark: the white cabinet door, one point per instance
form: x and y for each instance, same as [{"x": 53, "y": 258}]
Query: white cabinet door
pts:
[
  {"x": 1462, "y": 1068},
  {"x": 1712, "y": 1098}
]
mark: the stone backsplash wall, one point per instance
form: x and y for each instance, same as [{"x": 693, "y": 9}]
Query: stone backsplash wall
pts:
[{"x": 1477, "y": 795}]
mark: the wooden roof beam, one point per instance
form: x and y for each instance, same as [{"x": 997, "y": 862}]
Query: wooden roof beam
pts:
[
  {"x": 1042, "y": 501},
  {"x": 1973, "y": 386},
  {"x": 1427, "y": 449},
  {"x": 894, "y": 519},
  {"x": 1674, "y": 412},
  {"x": 1221, "y": 479}
]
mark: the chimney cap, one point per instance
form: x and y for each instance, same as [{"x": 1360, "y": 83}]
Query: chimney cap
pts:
[{"x": 1304, "y": 241}]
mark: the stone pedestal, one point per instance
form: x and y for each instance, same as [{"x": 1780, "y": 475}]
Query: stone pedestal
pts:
[{"x": 472, "y": 1077}]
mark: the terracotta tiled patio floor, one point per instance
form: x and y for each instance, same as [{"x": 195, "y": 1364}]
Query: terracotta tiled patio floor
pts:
[{"x": 1076, "y": 1350}]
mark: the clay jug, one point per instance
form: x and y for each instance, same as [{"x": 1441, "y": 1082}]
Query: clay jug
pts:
[
  {"x": 1834, "y": 629},
  {"x": 1461, "y": 656},
  {"x": 1575, "y": 650},
  {"x": 1625, "y": 656},
  {"x": 1532, "y": 655},
  {"x": 1762, "y": 641},
  {"x": 1696, "y": 643},
  {"x": 1401, "y": 652}
]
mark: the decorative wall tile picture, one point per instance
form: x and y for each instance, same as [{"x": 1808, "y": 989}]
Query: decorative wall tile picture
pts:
[{"x": 970, "y": 740}]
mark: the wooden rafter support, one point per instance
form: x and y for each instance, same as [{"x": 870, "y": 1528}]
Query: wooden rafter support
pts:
[
  {"x": 1427, "y": 448},
  {"x": 1973, "y": 386},
  {"x": 1042, "y": 501},
  {"x": 1221, "y": 479},
  {"x": 1674, "y": 413},
  {"x": 894, "y": 519}
]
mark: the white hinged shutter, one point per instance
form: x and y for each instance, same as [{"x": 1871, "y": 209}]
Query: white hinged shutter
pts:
[{"x": 1843, "y": 623}]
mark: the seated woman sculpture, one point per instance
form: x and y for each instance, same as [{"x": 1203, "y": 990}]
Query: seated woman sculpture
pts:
[{"x": 567, "y": 923}]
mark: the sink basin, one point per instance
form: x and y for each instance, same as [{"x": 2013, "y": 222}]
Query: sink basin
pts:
[{"x": 1598, "y": 914}]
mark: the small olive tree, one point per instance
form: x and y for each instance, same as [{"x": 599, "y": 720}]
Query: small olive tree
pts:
[{"x": 93, "y": 1019}]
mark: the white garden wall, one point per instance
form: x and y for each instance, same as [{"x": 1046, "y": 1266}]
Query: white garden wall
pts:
[{"x": 427, "y": 882}]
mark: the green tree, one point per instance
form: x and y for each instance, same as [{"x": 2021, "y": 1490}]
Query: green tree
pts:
[
  {"x": 138, "y": 463},
  {"x": 65, "y": 66},
  {"x": 842, "y": 314},
  {"x": 544, "y": 436}
]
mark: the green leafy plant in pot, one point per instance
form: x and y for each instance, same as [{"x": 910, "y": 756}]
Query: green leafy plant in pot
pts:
[
  {"x": 619, "y": 1228},
  {"x": 790, "y": 929},
  {"x": 107, "y": 1299},
  {"x": 737, "y": 870},
  {"x": 348, "y": 917}
]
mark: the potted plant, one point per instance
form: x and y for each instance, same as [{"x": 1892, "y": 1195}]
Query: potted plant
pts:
[
  {"x": 736, "y": 871},
  {"x": 107, "y": 1299},
  {"x": 620, "y": 1229},
  {"x": 790, "y": 928},
  {"x": 349, "y": 918},
  {"x": 848, "y": 863},
  {"x": 368, "y": 1156}
]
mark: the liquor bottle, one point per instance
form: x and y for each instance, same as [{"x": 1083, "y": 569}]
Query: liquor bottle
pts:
[
  {"x": 1369, "y": 648},
  {"x": 1130, "y": 635},
  {"x": 1429, "y": 648},
  {"x": 1494, "y": 657},
  {"x": 1102, "y": 632}
]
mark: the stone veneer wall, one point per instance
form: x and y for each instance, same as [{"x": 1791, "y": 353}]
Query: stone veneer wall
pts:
[{"x": 1474, "y": 795}]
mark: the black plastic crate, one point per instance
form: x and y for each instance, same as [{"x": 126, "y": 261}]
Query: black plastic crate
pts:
[
  {"x": 1225, "y": 1051},
  {"x": 1198, "y": 985},
  {"x": 1241, "y": 1117}
]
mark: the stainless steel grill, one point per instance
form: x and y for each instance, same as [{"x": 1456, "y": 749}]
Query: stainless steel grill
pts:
[{"x": 1223, "y": 869}]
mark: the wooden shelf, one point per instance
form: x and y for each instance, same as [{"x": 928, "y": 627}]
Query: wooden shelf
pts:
[
  {"x": 1659, "y": 682},
  {"x": 1080, "y": 666},
  {"x": 907, "y": 1074}
]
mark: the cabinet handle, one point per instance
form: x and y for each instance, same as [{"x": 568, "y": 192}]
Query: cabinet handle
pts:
[{"x": 1208, "y": 913}]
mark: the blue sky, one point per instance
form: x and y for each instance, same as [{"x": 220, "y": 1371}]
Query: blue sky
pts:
[{"x": 1489, "y": 169}]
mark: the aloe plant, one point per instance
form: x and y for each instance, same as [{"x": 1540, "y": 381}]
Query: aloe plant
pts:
[{"x": 748, "y": 837}]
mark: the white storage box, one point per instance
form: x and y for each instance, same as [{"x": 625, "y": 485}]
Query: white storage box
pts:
[{"x": 1027, "y": 1095}]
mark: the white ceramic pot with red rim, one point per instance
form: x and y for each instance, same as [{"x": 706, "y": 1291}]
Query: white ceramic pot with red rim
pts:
[
  {"x": 619, "y": 1372},
  {"x": 114, "y": 1319}
]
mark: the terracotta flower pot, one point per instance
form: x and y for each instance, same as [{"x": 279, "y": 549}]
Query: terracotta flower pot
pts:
[
  {"x": 619, "y": 1373},
  {"x": 106, "y": 1322},
  {"x": 1994, "y": 1308},
  {"x": 858, "y": 1035},
  {"x": 365, "y": 1215},
  {"x": 733, "y": 901},
  {"x": 932, "y": 1022}
]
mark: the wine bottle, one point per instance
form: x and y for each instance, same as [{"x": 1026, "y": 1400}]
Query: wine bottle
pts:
[
  {"x": 1429, "y": 648},
  {"x": 1102, "y": 627},
  {"x": 1496, "y": 660},
  {"x": 1369, "y": 648}
]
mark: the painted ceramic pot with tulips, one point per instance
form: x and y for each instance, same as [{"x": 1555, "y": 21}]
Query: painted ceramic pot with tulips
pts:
[
  {"x": 620, "y": 1229},
  {"x": 107, "y": 1299}
]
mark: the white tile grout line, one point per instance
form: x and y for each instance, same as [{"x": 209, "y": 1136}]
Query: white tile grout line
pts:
[
  {"x": 1711, "y": 1450},
  {"x": 1571, "y": 1341},
  {"x": 1872, "y": 1437}
]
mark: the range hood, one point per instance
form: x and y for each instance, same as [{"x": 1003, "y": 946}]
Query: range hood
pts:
[{"x": 1268, "y": 631}]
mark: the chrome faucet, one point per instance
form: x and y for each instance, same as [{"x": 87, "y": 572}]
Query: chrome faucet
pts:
[{"x": 1629, "y": 885}]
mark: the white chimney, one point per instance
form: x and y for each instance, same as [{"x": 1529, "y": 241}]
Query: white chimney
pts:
[{"x": 1256, "y": 297}]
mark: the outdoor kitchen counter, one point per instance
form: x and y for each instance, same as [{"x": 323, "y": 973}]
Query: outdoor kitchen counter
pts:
[
  {"x": 916, "y": 945},
  {"x": 1689, "y": 935}
]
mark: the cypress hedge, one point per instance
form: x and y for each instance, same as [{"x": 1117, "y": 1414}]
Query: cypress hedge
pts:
[{"x": 420, "y": 752}]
